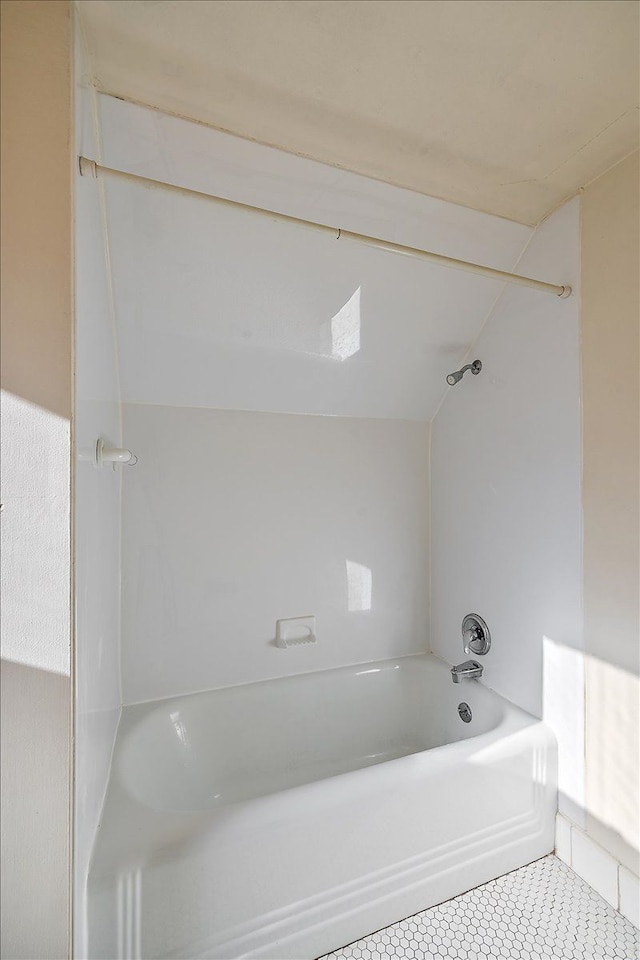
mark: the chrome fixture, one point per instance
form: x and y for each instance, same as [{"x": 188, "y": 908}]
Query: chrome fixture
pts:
[
  {"x": 464, "y": 712},
  {"x": 475, "y": 635},
  {"x": 469, "y": 670},
  {"x": 475, "y": 368}
]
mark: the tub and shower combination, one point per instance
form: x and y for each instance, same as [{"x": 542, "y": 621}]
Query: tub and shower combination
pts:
[{"x": 289, "y": 817}]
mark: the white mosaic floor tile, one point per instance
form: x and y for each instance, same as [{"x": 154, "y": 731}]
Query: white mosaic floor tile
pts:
[{"x": 543, "y": 911}]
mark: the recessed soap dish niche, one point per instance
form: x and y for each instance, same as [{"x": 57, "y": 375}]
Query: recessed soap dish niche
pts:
[{"x": 295, "y": 632}]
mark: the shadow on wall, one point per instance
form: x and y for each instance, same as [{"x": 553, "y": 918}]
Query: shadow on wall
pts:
[{"x": 33, "y": 754}]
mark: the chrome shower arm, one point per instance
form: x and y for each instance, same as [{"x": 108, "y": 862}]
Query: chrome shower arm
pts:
[{"x": 475, "y": 368}]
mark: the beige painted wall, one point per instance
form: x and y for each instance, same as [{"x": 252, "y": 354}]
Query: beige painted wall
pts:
[
  {"x": 36, "y": 205},
  {"x": 37, "y": 389},
  {"x": 610, "y": 342}
]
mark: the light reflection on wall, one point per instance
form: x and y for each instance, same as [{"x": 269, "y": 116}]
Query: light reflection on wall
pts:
[
  {"x": 359, "y": 586},
  {"x": 345, "y": 329},
  {"x": 593, "y": 708},
  {"x": 563, "y": 710},
  {"x": 35, "y": 536},
  {"x": 612, "y": 749}
]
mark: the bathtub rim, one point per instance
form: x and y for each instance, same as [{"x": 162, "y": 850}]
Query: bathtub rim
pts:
[{"x": 400, "y": 658}]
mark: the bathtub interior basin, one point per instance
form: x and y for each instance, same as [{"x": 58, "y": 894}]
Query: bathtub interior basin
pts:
[{"x": 210, "y": 749}]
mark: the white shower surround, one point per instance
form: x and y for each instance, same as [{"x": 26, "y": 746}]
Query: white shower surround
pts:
[
  {"x": 235, "y": 520},
  {"x": 97, "y": 507},
  {"x": 172, "y": 361},
  {"x": 296, "y": 815},
  {"x": 506, "y": 518},
  {"x": 193, "y": 336}
]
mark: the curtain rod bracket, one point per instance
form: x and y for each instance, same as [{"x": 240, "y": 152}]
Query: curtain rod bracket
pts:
[{"x": 88, "y": 168}]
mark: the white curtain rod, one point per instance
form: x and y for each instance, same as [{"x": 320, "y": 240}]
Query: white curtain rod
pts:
[{"x": 92, "y": 169}]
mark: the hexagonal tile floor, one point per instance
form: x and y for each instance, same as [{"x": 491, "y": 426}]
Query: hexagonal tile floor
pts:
[{"x": 543, "y": 911}]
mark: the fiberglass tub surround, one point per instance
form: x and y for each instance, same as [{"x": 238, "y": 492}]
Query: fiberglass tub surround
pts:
[
  {"x": 285, "y": 818},
  {"x": 279, "y": 389}
]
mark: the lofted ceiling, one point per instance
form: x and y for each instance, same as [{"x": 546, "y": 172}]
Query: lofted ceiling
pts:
[{"x": 506, "y": 106}]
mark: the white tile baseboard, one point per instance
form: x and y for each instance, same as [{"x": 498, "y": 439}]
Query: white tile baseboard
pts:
[
  {"x": 618, "y": 885},
  {"x": 629, "y": 890},
  {"x": 563, "y": 839},
  {"x": 594, "y": 865}
]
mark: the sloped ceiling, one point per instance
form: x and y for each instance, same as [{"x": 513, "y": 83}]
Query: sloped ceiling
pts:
[{"x": 506, "y": 106}]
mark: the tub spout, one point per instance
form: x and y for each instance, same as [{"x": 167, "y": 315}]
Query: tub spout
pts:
[{"x": 469, "y": 670}]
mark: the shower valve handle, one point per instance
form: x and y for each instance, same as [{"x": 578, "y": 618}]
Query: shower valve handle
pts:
[
  {"x": 476, "y": 637},
  {"x": 471, "y": 638}
]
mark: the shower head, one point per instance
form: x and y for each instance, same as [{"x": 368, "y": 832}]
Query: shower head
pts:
[{"x": 475, "y": 368}]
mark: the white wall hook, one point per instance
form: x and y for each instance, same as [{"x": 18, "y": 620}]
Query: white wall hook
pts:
[{"x": 113, "y": 455}]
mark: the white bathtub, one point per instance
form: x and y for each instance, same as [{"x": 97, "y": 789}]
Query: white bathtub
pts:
[{"x": 287, "y": 818}]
